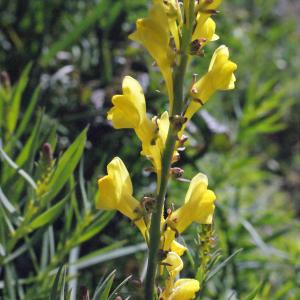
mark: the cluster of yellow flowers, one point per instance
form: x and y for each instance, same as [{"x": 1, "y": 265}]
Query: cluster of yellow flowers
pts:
[{"x": 162, "y": 34}]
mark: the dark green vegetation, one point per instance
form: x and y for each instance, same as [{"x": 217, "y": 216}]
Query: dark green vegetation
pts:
[{"x": 63, "y": 62}]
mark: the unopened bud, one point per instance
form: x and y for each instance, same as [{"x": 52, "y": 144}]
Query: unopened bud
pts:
[
  {"x": 84, "y": 293},
  {"x": 176, "y": 172},
  {"x": 182, "y": 141},
  {"x": 47, "y": 150}
]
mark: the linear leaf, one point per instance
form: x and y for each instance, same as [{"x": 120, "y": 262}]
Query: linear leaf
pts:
[
  {"x": 72, "y": 37},
  {"x": 14, "y": 105},
  {"x": 96, "y": 227},
  {"x": 255, "y": 292},
  {"x": 54, "y": 289},
  {"x": 102, "y": 285},
  {"x": 28, "y": 113},
  {"x": 66, "y": 165},
  {"x": 115, "y": 291},
  {"x": 47, "y": 217},
  {"x": 111, "y": 255},
  {"x": 20, "y": 171},
  {"x": 222, "y": 264}
]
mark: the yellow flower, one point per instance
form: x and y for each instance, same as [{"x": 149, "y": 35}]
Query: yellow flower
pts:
[
  {"x": 129, "y": 109},
  {"x": 198, "y": 207},
  {"x": 153, "y": 34},
  {"x": 219, "y": 77},
  {"x": 156, "y": 147},
  {"x": 173, "y": 264},
  {"x": 184, "y": 289},
  {"x": 115, "y": 193},
  {"x": 173, "y": 12},
  {"x": 205, "y": 30},
  {"x": 207, "y": 8},
  {"x": 168, "y": 242}
]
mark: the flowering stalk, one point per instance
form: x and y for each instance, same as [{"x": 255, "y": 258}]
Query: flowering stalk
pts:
[
  {"x": 176, "y": 109},
  {"x": 171, "y": 35}
]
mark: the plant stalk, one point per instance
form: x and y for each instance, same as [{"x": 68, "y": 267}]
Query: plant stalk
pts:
[{"x": 179, "y": 74}]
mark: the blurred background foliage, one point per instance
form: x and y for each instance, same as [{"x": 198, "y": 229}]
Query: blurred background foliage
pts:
[{"x": 61, "y": 61}]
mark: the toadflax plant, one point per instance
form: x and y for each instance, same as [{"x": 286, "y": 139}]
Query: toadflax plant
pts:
[{"x": 174, "y": 33}]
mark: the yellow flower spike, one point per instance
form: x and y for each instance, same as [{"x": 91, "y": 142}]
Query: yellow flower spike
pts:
[
  {"x": 173, "y": 264},
  {"x": 205, "y": 31},
  {"x": 115, "y": 193},
  {"x": 185, "y": 289},
  {"x": 219, "y": 77},
  {"x": 153, "y": 34},
  {"x": 198, "y": 207}
]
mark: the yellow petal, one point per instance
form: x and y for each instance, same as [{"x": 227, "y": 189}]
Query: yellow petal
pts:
[
  {"x": 116, "y": 190},
  {"x": 198, "y": 207},
  {"x": 129, "y": 110},
  {"x": 199, "y": 183},
  {"x": 214, "y": 4},
  {"x": 219, "y": 77},
  {"x": 173, "y": 263},
  {"x": 205, "y": 30},
  {"x": 178, "y": 248},
  {"x": 153, "y": 34},
  {"x": 185, "y": 289},
  {"x": 114, "y": 185}
]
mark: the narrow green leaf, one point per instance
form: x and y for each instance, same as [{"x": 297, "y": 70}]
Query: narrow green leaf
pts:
[
  {"x": 63, "y": 285},
  {"x": 86, "y": 203},
  {"x": 26, "y": 118},
  {"x": 87, "y": 260},
  {"x": 255, "y": 292},
  {"x": 116, "y": 290},
  {"x": 30, "y": 147},
  {"x": 55, "y": 288},
  {"x": 66, "y": 166},
  {"x": 101, "y": 286},
  {"x": 48, "y": 216},
  {"x": 14, "y": 104},
  {"x": 10, "y": 282},
  {"x": 107, "y": 288},
  {"x": 69, "y": 38},
  {"x": 120, "y": 252},
  {"x": 6, "y": 203},
  {"x": 222, "y": 264},
  {"x": 96, "y": 226},
  {"x": 21, "y": 172}
]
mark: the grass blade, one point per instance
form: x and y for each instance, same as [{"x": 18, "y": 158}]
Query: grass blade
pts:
[
  {"x": 49, "y": 216},
  {"x": 66, "y": 166},
  {"x": 222, "y": 264},
  {"x": 72, "y": 37}
]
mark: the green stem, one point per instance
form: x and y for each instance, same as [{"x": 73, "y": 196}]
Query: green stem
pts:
[{"x": 179, "y": 74}]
